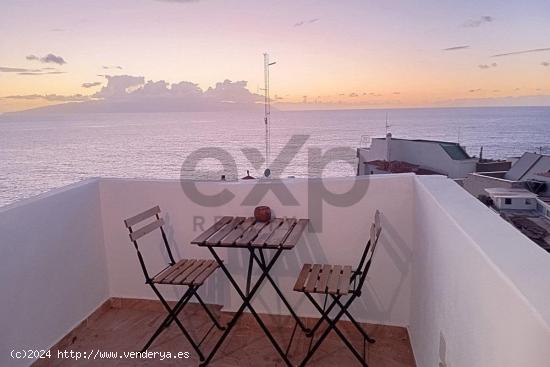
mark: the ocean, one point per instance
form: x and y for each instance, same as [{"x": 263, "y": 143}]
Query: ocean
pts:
[{"x": 38, "y": 153}]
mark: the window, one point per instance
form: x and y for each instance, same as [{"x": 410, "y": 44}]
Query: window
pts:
[
  {"x": 528, "y": 202},
  {"x": 508, "y": 201}
]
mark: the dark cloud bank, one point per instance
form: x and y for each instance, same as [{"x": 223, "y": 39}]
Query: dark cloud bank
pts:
[
  {"x": 48, "y": 59},
  {"x": 126, "y": 93}
]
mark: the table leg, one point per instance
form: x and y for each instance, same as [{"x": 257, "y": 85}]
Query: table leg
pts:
[
  {"x": 261, "y": 264},
  {"x": 246, "y": 304}
]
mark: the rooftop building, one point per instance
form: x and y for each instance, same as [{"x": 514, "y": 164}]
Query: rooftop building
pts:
[
  {"x": 421, "y": 157},
  {"x": 531, "y": 171}
]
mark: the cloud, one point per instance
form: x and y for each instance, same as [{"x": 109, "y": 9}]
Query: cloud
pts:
[
  {"x": 43, "y": 73},
  {"x": 474, "y": 23},
  {"x": 545, "y": 63},
  {"x": 128, "y": 93},
  {"x": 107, "y": 67},
  {"x": 186, "y": 89},
  {"x": 49, "y": 58},
  {"x": 475, "y": 90},
  {"x": 487, "y": 66},
  {"x": 57, "y": 30},
  {"x": 5, "y": 69},
  {"x": 90, "y": 85},
  {"x": 523, "y": 52},
  {"x": 119, "y": 85},
  {"x": 24, "y": 71},
  {"x": 353, "y": 95},
  {"x": 455, "y": 48},
  {"x": 51, "y": 97},
  {"x": 309, "y": 21},
  {"x": 233, "y": 92},
  {"x": 396, "y": 93}
]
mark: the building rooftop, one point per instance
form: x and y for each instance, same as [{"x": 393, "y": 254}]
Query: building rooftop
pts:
[
  {"x": 510, "y": 193},
  {"x": 529, "y": 164},
  {"x": 401, "y": 167},
  {"x": 454, "y": 150}
]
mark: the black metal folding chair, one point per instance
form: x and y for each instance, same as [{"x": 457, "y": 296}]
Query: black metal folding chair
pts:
[
  {"x": 188, "y": 272},
  {"x": 337, "y": 281}
]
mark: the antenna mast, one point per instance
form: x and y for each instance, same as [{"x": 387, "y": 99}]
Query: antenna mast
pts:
[{"x": 267, "y": 113}]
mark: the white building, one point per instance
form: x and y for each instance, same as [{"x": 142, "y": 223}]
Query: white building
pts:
[
  {"x": 441, "y": 157},
  {"x": 512, "y": 199},
  {"x": 543, "y": 206},
  {"x": 531, "y": 171}
]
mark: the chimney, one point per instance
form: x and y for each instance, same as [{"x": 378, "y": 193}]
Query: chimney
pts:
[{"x": 388, "y": 144}]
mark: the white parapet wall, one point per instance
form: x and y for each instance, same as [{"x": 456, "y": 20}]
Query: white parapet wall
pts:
[
  {"x": 53, "y": 268},
  {"x": 481, "y": 289},
  {"x": 338, "y": 233}
]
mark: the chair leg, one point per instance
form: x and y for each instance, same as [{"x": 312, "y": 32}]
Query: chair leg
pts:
[
  {"x": 320, "y": 321},
  {"x": 354, "y": 322},
  {"x": 168, "y": 320},
  {"x": 174, "y": 316},
  {"x": 212, "y": 317},
  {"x": 179, "y": 306},
  {"x": 332, "y": 326}
]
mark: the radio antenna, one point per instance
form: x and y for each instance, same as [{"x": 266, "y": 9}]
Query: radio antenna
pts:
[{"x": 267, "y": 113}]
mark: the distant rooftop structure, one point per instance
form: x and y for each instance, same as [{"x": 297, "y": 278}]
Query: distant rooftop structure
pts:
[
  {"x": 502, "y": 192},
  {"x": 454, "y": 150},
  {"x": 530, "y": 166},
  {"x": 380, "y": 166},
  {"x": 420, "y": 156},
  {"x": 531, "y": 171}
]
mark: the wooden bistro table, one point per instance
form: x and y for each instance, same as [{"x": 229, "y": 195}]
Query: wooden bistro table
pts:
[{"x": 276, "y": 235}]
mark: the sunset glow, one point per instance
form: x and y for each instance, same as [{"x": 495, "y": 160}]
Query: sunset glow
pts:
[{"x": 345, "y": 54}]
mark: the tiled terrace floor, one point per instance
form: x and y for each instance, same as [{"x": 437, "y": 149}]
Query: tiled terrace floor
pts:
[{"x": 125, "y": 325}]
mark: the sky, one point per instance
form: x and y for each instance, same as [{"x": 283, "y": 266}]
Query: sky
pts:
[{"x": 329, "y": 54}]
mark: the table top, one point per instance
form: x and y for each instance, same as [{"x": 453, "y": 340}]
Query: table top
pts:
[{"x": 242, "y": 232}]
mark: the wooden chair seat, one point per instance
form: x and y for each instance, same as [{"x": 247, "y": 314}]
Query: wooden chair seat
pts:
[
  {"x": 186, "y": 272},
  {"x": 324, "y": 279}
]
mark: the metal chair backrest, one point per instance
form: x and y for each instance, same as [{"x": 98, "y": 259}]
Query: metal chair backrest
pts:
[
  {"x": 136, "y": 234},
  {"x": 368, "y": 253}
]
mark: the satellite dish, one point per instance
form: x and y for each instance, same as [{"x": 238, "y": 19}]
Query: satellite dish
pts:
[{"x": 267, "y": 172}]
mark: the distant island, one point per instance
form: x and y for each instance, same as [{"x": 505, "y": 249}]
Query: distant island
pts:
[{"x": 125, "y": 93}]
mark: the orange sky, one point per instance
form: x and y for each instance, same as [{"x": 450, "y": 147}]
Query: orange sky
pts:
[{"x": 350, "y": 54}]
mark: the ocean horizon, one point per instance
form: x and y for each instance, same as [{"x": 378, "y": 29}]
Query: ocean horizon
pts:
[{"x": 42, "y": 152}]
